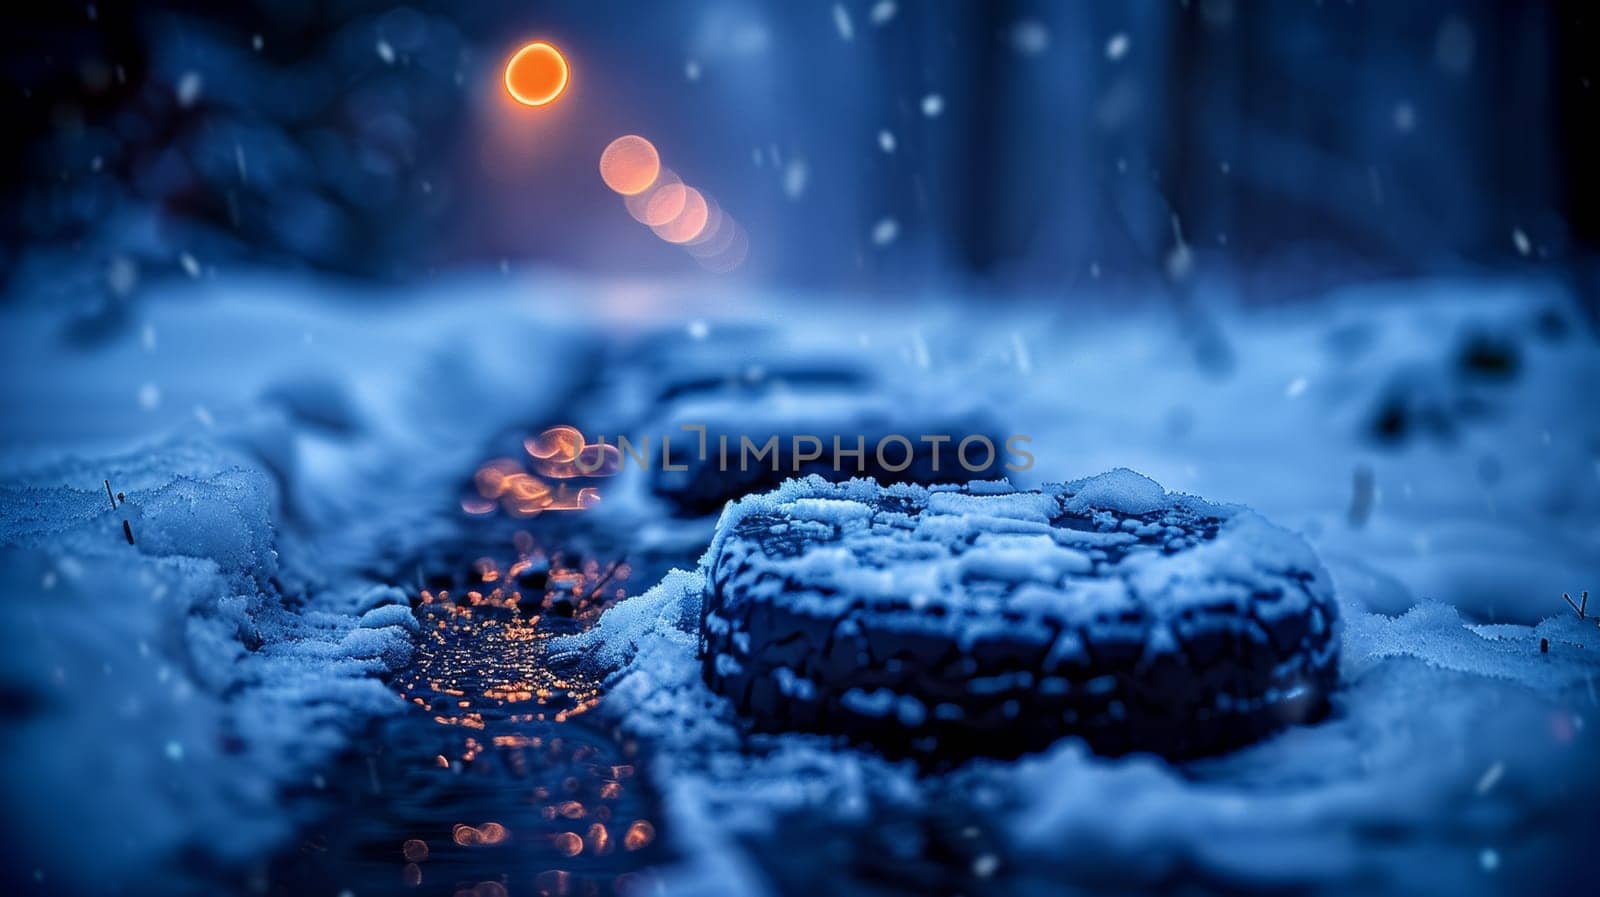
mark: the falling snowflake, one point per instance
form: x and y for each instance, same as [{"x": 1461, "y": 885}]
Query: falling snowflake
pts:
[
  {"x": 122, "y": 276},
  {"x": 882, "y": 12},
  {"x": 1030, "y": 37},
  {"x": 1454, "y": 46},
  {"x": 385, "y": 52},
  {"x": 795, "y": 175},
  {"x": 1020, "y": 353},
  {"x": 885, "y": 232},
  {"x": 1180, "y": 259},
  {"x": 1117, "y": 46},
  {"x": 841, "y": 21},
  {"x": 1405, "y": 118},
  {"x": 1521, "y": 241},
  {"x": 920, "y": 356},
  {"x": 1179, "y": 262},
  {"x": 1492, "y": 775},
  {"x": 189, "y": 87},
  {"x": 933, "y": 105},
  {"x": 886, "y": 141},
  {"x": 191, "y": 265}
]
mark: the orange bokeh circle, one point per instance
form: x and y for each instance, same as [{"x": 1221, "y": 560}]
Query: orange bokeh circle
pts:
[
  {"x": 659, "y": 203},
  {"x": 688, "y": 223},
  {"x": 630, "y": 164},
  {"x": 536, "y": 74}
]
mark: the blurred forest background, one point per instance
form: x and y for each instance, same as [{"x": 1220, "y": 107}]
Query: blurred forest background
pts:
[{"x": 1020, "y": 145}]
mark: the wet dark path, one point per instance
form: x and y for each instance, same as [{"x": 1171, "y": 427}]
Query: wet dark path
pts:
[{"x": 496, "y": 779}]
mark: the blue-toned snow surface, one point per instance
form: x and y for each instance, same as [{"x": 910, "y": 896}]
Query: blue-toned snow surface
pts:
[{"x": 166, "y": 704}]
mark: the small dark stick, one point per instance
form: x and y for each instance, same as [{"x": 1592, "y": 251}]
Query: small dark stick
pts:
[
  {"x": 1579, "y": 608},
  {"x": 601, "y": 582},
  {"x": 1544, "y": 646},
  {"x": 127, "y": 528}
]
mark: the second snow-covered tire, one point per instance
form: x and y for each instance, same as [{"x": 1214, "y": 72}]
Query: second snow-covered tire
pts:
[{"x": 979, "y": 620}]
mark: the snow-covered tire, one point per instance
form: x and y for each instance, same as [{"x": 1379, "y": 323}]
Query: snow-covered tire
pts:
[{"x": 948, "y": 622}]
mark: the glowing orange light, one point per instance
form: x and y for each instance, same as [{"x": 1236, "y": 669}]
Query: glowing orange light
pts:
[
  {"x": 688, "y": 223},
  {"x": 639, "y": 835},
  {"x": 597, "y": 460},
  {"x": 491, "y": 478},
  {"x": 630, "y": 164},
  {"x": 477, "y": 507},
  {"x": 569, "y": 844},
  {"x": 553, "y": 883},
  {"x": 560, "y": 443},
  {"x": 536, "y": 74},
  {"x": 660, "y": 202},
  {"x": 715, "y": 223}
]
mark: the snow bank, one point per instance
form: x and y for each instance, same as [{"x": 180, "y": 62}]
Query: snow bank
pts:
[
  {"x": 1455, "y": 763},
  {"x": 390, "y": 615},
  {"x": 170, "y": 673},
  {"x": 281, "y": 446},
  {"x": 668, "y": 609}
]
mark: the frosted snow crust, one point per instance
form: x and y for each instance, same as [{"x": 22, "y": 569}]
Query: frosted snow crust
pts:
[
  {"x": 1076, "y": 552},
  {"x": 218, "y": 689}
]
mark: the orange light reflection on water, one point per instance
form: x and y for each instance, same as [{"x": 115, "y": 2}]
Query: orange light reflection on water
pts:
[{"x": 481, "y": 663}]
